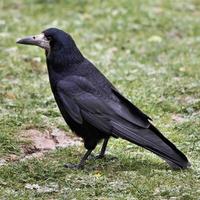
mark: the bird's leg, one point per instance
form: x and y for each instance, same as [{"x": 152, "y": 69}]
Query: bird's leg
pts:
[
  {"x": 82, "y": 162},
  {"x": 103, "y": 149}
]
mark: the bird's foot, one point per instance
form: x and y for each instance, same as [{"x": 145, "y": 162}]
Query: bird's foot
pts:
[{"x": 73, "y": 166}]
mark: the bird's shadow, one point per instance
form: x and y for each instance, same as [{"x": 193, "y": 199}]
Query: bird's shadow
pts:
[{"x": 110, "y": 163}]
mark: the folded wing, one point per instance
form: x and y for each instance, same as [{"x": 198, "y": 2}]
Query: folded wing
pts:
[{"x": 119, "y": 118}]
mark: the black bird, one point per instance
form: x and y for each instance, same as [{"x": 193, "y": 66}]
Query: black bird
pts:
[{"x": 92, "y": 107}]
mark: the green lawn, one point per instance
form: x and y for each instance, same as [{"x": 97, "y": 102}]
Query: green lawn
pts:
[{"x": 150, "y": 49}]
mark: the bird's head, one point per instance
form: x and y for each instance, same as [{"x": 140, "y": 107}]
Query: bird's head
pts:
[
  {"x": 56, "y": 43},
  {"x": 48, "y": 39}
]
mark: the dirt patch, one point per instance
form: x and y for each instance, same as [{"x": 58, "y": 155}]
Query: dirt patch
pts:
[{"x": 37, "y": 143}]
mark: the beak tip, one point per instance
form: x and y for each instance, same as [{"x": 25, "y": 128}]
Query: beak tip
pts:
[{"x": 19, "y": 41}]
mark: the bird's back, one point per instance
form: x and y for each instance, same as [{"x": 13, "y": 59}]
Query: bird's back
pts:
[{"x": 88, "y": 71}]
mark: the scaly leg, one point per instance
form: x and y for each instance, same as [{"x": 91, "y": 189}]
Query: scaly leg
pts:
[
  {"x": 103, "y": 149},
  {"x": 82, "y": 162}
]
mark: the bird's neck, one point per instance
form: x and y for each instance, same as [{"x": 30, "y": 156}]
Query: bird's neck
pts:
[{"x": 60, "y": 60}]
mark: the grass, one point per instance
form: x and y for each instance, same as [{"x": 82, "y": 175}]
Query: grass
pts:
[{"x": 149, "y": 49}]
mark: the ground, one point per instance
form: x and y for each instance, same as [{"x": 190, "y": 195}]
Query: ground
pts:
[{"x": 149, "y": 49}]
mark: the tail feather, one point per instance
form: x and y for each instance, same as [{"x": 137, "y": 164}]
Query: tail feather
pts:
[{"x": 152, "y": 140}]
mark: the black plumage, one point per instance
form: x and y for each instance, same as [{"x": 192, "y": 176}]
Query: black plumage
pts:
[{"x": 92, "y": 107}]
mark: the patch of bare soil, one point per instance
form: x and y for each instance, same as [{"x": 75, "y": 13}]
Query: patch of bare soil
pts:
[{"x": 37, "y": 143}]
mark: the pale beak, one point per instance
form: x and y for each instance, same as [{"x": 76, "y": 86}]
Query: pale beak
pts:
[{"x": 37, "y": 40}]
